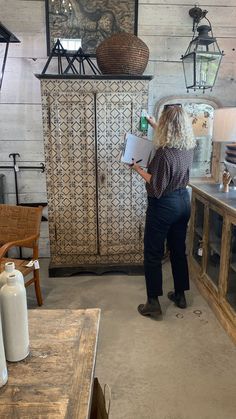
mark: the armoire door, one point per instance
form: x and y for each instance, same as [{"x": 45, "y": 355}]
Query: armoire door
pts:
[
  {"x": 121, "y": 192},
  {"x": 71, "y": 174}
]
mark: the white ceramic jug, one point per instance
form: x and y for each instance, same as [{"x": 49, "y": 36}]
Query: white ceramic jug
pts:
[
  {"x": 3, "y": 366},
  {"x": 10, "y": 269},
  {"x": 14, "y": 319}
]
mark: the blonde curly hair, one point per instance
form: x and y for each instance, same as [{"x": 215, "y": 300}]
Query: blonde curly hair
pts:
[{"x": 174, "y": 129}]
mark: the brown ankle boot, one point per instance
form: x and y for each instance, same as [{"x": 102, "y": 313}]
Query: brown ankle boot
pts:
[{"x": 151, "y": 308}]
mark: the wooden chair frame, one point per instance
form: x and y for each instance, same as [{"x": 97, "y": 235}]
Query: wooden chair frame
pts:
[{"x": 29, "y": 241}]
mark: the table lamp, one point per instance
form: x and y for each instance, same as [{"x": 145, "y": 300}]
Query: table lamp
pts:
[
  {"x": 224, "y": 131},
  {"x": 224, "y": 125}
]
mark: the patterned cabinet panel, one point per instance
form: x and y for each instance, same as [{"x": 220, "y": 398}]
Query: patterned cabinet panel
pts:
[
  {"x": 121, "y": 193},
  {"x": 71, "y": 174}
]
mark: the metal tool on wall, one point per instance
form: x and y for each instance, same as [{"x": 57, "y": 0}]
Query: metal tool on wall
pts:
[{"x": 17, "y": 168}]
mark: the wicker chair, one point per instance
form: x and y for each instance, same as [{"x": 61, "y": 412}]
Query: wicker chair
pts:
[{"x": 20, "y": 226}]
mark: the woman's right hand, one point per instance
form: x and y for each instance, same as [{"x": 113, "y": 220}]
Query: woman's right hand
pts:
[
  {"x": 135, "y": 167},
  {"x": 146, "y": 176},
  {"x": 152, "y": 122}
]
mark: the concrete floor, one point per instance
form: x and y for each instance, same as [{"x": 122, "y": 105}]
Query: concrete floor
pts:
[{"x": 180, "y": 367}]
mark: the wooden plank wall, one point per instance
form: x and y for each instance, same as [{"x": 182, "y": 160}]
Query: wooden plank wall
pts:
[{"x": 166, "y": 28}]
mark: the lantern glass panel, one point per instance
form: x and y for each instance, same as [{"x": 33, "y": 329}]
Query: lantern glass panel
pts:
[
  {"x": 188, "y": 64},
  {"x": 206, "y": 69}
]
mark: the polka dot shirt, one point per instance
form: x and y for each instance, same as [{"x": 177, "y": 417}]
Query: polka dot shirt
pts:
[{"x": 170, "y": 169}]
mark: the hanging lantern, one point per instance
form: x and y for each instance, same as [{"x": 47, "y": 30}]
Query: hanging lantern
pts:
[{"x": 202, "y": 59}]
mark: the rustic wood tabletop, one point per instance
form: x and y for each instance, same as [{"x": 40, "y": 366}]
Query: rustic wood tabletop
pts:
[{"x": 56, "y": 380}]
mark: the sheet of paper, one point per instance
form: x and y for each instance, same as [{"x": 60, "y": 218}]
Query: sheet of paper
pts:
[{"x": 136, "y": 148}]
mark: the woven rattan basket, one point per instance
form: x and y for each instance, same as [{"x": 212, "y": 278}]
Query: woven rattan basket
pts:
[{"x": 122, "y": 53}]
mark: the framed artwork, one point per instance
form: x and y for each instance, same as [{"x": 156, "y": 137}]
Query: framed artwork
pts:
[{"x": 89, "y": 20}]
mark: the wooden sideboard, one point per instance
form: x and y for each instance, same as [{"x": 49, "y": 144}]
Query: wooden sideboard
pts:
[
  {"x": 56, "y": 380},
  {"x": 96, "y": 204},
  {"x": 213, "y": 250}
]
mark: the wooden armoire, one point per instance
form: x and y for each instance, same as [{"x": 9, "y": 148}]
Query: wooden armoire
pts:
[{"x": 96, "y": 204}]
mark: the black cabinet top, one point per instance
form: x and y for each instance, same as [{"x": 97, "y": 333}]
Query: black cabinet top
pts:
[{"x": 93, "y": 77}]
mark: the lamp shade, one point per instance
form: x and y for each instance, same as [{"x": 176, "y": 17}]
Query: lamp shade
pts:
[{"x": 224, "y": 125}]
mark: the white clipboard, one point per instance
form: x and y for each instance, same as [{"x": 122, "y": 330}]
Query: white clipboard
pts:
[{"x": 136, "y": 148}]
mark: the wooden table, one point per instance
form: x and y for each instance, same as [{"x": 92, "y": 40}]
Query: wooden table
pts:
[{"x": 56, "y": 380}]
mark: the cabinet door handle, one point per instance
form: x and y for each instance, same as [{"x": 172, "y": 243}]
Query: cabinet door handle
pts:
[{"x": 102, "y": 179}]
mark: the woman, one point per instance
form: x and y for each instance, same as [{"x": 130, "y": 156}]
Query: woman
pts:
[{"x": 168, "y": 209}]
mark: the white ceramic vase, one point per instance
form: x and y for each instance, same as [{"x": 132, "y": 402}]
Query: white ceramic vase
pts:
[
  {"x": 3, "y": 366},
  {"x": 10, "y": 269},
  {"x": 14, "y": 319}
]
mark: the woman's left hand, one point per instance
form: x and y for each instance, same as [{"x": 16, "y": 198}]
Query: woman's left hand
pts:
[{"x": 151, "y": 121}]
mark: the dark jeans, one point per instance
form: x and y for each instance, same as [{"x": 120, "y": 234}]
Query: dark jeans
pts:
[{"x": 166, "y": 218}]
